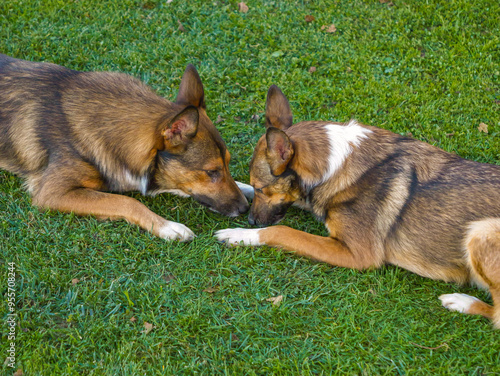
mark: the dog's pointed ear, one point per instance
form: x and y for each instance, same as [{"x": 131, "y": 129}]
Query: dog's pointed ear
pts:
[
  {"x": 278, "y": 112},
  {"x": 178, "y": 132},
  {"x": 279, "y": 150},
  {"x": 191, "y": 91}
]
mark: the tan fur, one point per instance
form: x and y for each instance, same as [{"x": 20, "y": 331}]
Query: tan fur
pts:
[{"x": 76, "y": 136}]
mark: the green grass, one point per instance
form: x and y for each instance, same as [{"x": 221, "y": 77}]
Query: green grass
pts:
[{"x": 429, "y": 68}]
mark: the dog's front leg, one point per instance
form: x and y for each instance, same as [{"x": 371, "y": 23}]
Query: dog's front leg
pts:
[
  {"x": 319, "y": 248},
  {"x": 84, "y": 201}
]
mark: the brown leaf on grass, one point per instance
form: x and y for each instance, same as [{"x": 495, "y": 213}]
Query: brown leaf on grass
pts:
[
  {"x": 168, "y": 277},
  {"x": 211, "y": 290},
  {"x": 19, "y": 372},
  {"x": 388, "y": 2},
  {"x": 329, "y": 29},
  {"x": 148, "y": 5},
  {"x": 276, "y": 300},
  {"x": 242, "y": 7},
  {"x": 309, "y": 18},
  {"x": 220, "y": 119},
  {"x": 74, "y": 281},
  {"x": 181, "y": 27},
  {"x": 312, "y": 69},
  {"x": 234, "y": 337},
  {"x": 483, "y": 128},
  {"x": 133, "y": 319},
  {"x": 147, "y": 327}
]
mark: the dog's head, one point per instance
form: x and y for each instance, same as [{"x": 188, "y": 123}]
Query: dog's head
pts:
[
  {"x": 192, "y": 158},
  {"x": 275, "y": 184}
]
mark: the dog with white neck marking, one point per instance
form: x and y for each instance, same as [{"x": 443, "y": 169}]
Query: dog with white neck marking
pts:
[{"x": 385, "y": 199}]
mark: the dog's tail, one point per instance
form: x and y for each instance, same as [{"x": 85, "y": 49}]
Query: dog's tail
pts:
[{"x": 482, "y": 245}]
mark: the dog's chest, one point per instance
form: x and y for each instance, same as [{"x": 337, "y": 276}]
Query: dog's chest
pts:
[{"x": 127, "y": 182}]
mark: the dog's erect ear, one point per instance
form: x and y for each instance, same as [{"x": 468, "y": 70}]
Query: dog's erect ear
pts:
[
  {"x": 279, "y": 150},
  {"x": 278, "y": 112},
  {"x": 191, "y": 90},
  {"x": 181, "y": 129}
]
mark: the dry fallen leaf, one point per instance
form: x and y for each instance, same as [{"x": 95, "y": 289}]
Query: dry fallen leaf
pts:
[
  {"x": 168, "y": 277},
  {"x": 309, "y": 18},
  {"x": 181, "y": 27},
  {"x": 312, "y": 69},
  {"x": 211, "y": 290},
  {"x": 276, "y": 300},
  {"x": 483, "y": 128},
  {"x": 388, "y": 2},
  {"x": 147, "y": 327},
  {"x": 220, "y": 119},
  {"x": 74, "y": 281},
  {"x": 234, "y": 337},
  {"x": 133, "y": 319},
  {"x": 242, "y": 7},
  {"x": 329, "y": 29},
  {"x": 19, "y": 372}
]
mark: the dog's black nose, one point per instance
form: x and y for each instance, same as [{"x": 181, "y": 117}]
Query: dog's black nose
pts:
[{"x": 251, "y": 219}]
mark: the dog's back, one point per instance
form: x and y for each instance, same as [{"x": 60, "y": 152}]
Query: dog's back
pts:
[
  {"x": 49, "y": 112},
  {"x": 30, "y": 106}
]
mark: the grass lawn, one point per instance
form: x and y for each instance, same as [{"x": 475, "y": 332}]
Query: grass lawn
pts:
[{"x": 86, "y": 289}]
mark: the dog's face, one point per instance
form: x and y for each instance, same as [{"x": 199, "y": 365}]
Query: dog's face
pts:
[
  {"x": 193, "y": 160},
  {"x": 275, "y": 184}
]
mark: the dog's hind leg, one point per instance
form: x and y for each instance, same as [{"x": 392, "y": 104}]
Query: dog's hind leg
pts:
[{"x": 483, "y": 256}]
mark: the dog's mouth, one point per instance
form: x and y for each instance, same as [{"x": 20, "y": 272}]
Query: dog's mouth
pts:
[
  {"x": 275, "y": 219},
  {"x": 228, "y": 210}
]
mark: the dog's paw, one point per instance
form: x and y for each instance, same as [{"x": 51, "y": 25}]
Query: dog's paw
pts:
[
  {"x": 176, "y": 231},
  {"x": 246, "y": 189},
  {"x": 458, "y": 302},
  {"x": 239, "y": 236}
]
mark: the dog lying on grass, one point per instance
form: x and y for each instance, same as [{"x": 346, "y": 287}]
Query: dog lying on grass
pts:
[
  {"x": 385, "y": 199},
  {"x": 76, "y": 136}
]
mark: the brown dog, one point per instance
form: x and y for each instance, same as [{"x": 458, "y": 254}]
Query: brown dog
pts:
[
  {"x": 72, "y": 135},
  {"x": 385, "y": 199}
]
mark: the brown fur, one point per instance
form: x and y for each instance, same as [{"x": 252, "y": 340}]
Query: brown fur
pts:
[
  {"x": 75, "y": 136},
  {"x": 393, "y": 200}
]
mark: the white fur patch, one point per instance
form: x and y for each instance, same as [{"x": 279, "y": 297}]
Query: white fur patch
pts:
[
  {"x": 458, "y": 302},
  {"x": 246, "y": 189},
  {"x": 239, "y": 236},
  {"x": 135, "y": 183},
  {"x": 342, "y": 138},
  {"x": 176, "y": 231}
]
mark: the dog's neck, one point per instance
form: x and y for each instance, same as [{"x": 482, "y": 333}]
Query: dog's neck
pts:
[{"x": 329, "y": 158}]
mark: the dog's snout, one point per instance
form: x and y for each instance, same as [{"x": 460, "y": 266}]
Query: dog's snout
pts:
[
  {"x": 243, "y": 207},
  {"x": 251, "y": 219}
]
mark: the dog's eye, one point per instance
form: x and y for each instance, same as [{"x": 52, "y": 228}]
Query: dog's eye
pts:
[{"x": 213, "y": 174}]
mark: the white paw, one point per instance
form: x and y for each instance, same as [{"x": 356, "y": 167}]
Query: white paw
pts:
[
  {"x": 246, "y": 189},
  {"x": 457, "y": 302},
  {"x": 176, "y": 231},
  {"x": 235, "y": 236}
]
